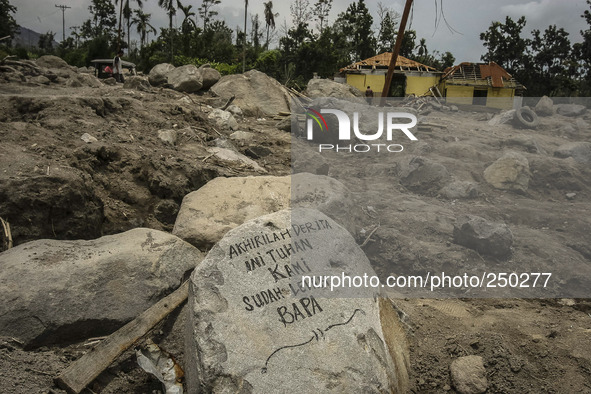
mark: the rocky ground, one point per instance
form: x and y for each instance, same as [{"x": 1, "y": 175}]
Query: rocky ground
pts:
[{"x": 149, "y": 147}]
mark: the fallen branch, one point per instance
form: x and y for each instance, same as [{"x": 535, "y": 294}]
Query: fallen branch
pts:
[
  {"x": 369, "y": 236},
  {"x": 230, "y": 100},
  {"x": 7, "y": 233},
  {"x": 84, "y": 370}
]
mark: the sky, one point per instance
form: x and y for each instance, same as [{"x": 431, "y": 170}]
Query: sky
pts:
[{"x": 467, "y": 17}]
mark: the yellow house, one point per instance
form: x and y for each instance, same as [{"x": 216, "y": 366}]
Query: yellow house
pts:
[
  {"x": 410, "y": 77},
  {"x": 480, "y": 84}
]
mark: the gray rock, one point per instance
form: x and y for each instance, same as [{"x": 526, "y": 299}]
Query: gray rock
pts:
[
  {"x": 305, "y": 158},
  {"x": 50, "y": 61},
  {"x": 88, "y": 138},
  {"x": 186, "y": 79},
  {"x": 242, "y": 135},
  {"x": 84, "y": 80},
  {"x": 284, "y": 124},
  {"x": 137, "y": 83},
  {"x": 168, "y": 136},
  {"x": 502, "y": 118},
  {"x": 468, "y": 375},
  {"x": 210, "y": 76},
  {"x": 158, "y": 75},
  {"x": 110, "y": 81},
  {"x": 255, "y": 93},
  {"x": 579, "y": 151},
  {"x": 570, "y": 109},
  {"x": 327, "y": 88},
  {"x": 459, "y": 190},
  {"x": 223, "y": 119},
  {"x": 453, "y": 108},
  {"x": 235, "y": 110},
  {"x": 253, "y": 329},
  {"x": 232, "y": 201},
  {"x": 582, "y": 125},
  {"x": 63, "y": 291},
  {"x": 485, "y": 237},
  {"x": 545, "y": 106},
  {"x": 422, "y": 175},
  {"x": 234, "y": 155},
  {"x": 510, "y": 172},
  {"x": 40, "y": 79}
]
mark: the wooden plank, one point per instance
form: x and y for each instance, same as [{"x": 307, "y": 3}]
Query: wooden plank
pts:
[{"x": 84, "y": 370}]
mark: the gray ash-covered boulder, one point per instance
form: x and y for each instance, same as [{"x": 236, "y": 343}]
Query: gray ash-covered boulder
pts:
[
  {"x": 474, "y": 232},
  {"x": 57, "y": 292},
  {"x": 158, "y": 75},
  {"x": 186, "y": 79},
  {"x": 254, "y": 329}
]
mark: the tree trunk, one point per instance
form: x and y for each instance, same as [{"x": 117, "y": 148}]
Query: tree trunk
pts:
[{"x": 244, "y": 40}]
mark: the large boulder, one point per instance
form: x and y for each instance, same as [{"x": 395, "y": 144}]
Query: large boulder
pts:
[
  {"x": 255, "y": 92},
  {"x": 474, "y": 232},
  {"x": 423, "y": 176},
  {"x": 185, "y": 79},
  {"x": 210, "y": 76},
  {"x": 158, "y": 75},
  {"x": 545, "y": 106},
  {"x": 50, "y": 61},
  {"x": 327, "y": 88},
  {"x": 137, "y": 83},
  {"x": 570, "y": 109},
  {"x": 253, "y": 327},
  {"x": 63, "y": 291},
  {"x": 224, "y": 203},
  {"x": 510, "y": 172},
  {"x": 579, "y": 151}
]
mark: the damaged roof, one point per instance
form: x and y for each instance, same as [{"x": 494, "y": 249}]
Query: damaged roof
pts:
[
  {"x": 382, "y": 61},
  {"x": 489, "y": 74}
]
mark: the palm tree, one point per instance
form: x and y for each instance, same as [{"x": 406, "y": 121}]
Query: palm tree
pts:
[
  {"x": 143, "y": 26},
  {"x": 422, "y": 47},
  {"x": 169, "y": 7},
  {"x": 127, "y": 13},
  {"x": 269, "y": 19},
  {"x": 187, "y": 21},
  {"x": 187, "y": 26}
]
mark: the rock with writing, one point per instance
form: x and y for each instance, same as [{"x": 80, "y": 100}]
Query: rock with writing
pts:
[{"x": 254, "y": 328}]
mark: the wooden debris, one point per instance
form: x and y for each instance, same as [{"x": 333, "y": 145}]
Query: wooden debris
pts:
[
  {"x": 230, "y": 100},
  {"x": 84, "y": 370},
  {"x": 7, "y": 234}
]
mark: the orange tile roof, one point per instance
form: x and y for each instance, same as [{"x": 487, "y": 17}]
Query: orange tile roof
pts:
[{"x": 383, "y": 60}]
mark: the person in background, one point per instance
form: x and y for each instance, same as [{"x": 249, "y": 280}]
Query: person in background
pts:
[
  {"x": 117, "y": 67},
  {"x": 369, "y": 95}
]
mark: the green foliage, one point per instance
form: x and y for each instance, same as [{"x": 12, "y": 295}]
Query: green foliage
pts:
[
  {"x": 355, "y": 26},
  {"x": 222, "y": 68},
  {"x": 46, "y": 42},
  {"x": 8, "y": 26},
  {"x": 504, "y": 44}
]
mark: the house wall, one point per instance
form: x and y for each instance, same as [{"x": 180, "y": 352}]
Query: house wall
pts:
[
  {"x": 456, "y": 94},
  {"x": 420, "y": 85},
  {"x": 362, "y": 81},
  {"x": 501, "y": 98}
]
